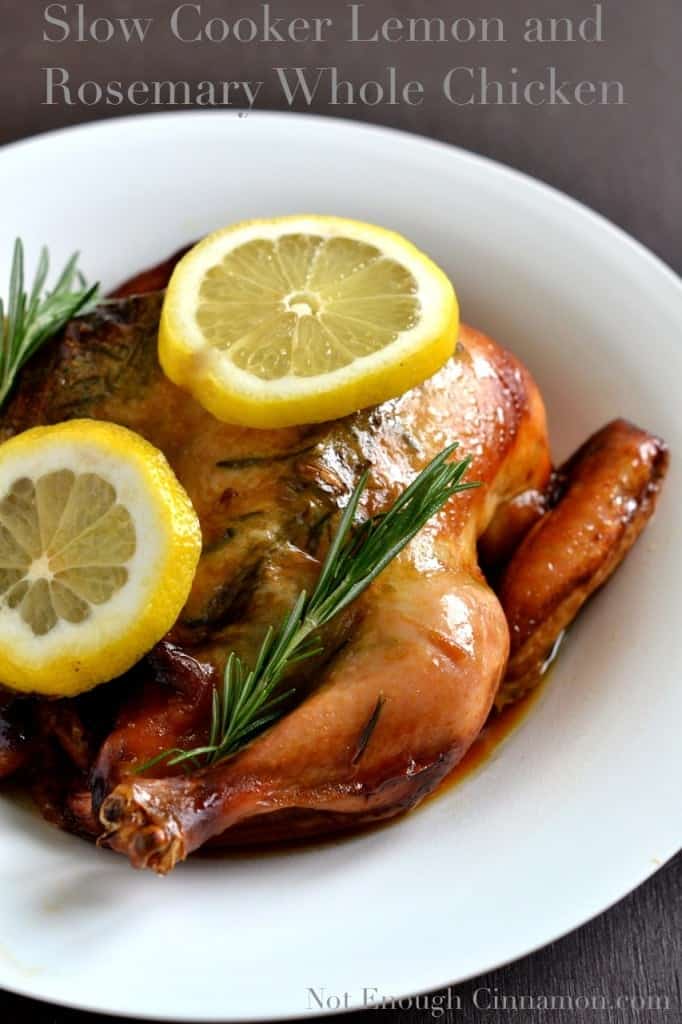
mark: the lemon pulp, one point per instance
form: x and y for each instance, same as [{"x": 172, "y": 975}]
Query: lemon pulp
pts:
[
  {"x": 99, "y": 544},
  {"x": 272, "y": 323},
  {"x": 304, "y": 305},
  {"x": 64, "y": 542}
]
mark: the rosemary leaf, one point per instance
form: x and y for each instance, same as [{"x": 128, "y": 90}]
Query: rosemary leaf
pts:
[
  {"x": 34, "y": 317},
  {"x": 249, "y": 700}
]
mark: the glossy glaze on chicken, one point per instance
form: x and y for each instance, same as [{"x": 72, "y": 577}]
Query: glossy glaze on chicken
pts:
[{"x": 409, "y": 674}]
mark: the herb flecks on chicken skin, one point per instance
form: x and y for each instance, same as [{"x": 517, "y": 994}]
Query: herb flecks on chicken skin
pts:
[{"x": 407, "y": 675}]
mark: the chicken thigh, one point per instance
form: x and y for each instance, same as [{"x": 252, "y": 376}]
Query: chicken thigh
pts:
[{"x": 411, "y": 671}]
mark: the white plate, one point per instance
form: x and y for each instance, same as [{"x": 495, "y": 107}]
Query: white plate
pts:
[{"x": 582, "y": 802}]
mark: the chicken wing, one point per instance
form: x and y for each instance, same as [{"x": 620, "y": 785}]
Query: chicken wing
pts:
[
  {"x": 410, "y": 673},
  {"x": 601, "y": 501}
]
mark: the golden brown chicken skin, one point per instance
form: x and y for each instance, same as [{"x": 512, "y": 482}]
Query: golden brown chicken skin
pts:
[
  {"x": 409, "y": 675},
  {"x": 424, "y": 654},
  {"x": 602, "y": 500}
]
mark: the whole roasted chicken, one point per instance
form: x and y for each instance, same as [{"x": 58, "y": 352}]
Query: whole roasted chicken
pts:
[{"x": 462, "y": 620}]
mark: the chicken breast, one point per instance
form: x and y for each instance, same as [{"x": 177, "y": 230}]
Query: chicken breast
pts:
[{"x": 410, "y": 673}]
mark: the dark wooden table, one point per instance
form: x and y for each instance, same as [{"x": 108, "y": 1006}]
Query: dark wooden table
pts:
[{"x": 624, "y": 160}]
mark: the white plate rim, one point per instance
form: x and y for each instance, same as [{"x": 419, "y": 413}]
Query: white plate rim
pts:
[
  {"x": 589, "y": 216},
  {"x": 347, "y": 124}
]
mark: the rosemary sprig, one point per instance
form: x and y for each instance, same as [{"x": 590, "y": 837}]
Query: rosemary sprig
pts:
[
  {"x": 249, "y": 699},
  {"x": 31, "y": 318}
]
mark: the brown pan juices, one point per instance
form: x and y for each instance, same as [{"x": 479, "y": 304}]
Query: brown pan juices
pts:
[{"x": 405, "y": 687}]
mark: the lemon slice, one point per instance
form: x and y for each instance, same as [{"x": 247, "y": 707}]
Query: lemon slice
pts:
[
  {"x": 98, "y": 548},
  {"x": 294, "y": 320}
]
